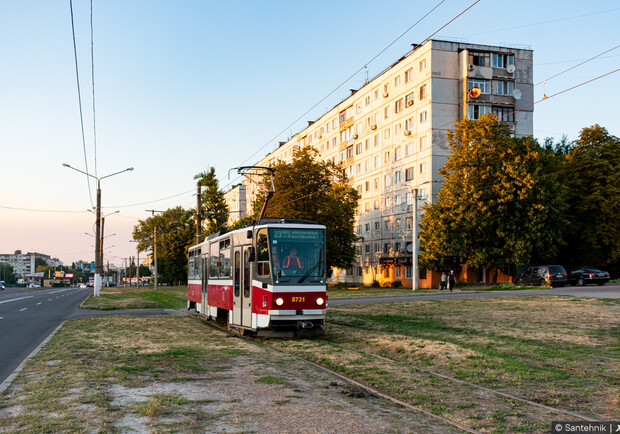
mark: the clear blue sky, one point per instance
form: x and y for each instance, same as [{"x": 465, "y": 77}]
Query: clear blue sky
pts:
[{"x": 184, "y": 85}]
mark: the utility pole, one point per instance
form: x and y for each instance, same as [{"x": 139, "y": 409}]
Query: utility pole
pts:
[
  {"x": 98, "y": 258},
  {"x": 137, "y": 267},
  {"x": 155, "y": 254},
  {"x": 198, "y": 214}
]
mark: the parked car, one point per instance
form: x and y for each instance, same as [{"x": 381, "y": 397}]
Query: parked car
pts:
[
  {"x": 2, "y": 286},
  {"x": 542, "y": 275},
  {"x": 33, "y": 285},
  {"x": 584, "y": 276}
]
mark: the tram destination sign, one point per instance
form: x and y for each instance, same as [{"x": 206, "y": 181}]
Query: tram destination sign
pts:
[{"x": 297, "y": 234}]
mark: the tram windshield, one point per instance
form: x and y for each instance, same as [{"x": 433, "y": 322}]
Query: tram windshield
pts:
[{"x": 297, "y": 255}]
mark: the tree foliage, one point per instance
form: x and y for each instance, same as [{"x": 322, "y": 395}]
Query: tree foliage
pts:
[
  {"x": 176, "y": 228},
  {"x": 592, "y": 175},
  {"x": 499, "y": 202},
  {"x": 7, "y": 273},
  {"x": 309, "y": 189},
  {"x": 214, "y": 207}
]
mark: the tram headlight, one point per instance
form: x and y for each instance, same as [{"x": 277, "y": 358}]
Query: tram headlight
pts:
[
  {"x": 279, "y": 301},
  {"x": 320, "y": 301}
]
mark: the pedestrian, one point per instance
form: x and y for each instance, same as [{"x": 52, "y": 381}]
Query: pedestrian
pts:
[
  {"x": 442, "y": 285},
  {"x": 451, "y": 280}
]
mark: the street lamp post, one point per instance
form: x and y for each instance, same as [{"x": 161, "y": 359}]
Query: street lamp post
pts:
[{"x": 98, "y": 254}]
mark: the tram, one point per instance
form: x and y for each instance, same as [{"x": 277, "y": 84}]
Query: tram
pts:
[{"x": 269, "y": 278}]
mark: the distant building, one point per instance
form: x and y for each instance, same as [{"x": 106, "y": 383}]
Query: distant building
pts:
[
  {"x": 236, "y": 200},
  {"x": 24, "y": 263},
  {"x": 390, "y": 136}
]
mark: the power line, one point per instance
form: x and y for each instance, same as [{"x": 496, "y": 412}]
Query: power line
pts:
[
  {"x": 335, "y": 89},
  {"x": 39, "y": 210},
  {"x": 151, "y": 201},
  {"x": 77, "y": 77}
]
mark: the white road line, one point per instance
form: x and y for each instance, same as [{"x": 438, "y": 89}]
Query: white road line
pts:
[
  {"x": 1, "y": 317},
  {"x": 39, "y": 303},
  {"x": 15, "y": 299},
  {"x": 49, "y": 299},
  {"x": 21, "y": 310}
]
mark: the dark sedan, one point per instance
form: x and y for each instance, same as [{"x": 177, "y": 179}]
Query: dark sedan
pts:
[{"x": 585, "y": 276}]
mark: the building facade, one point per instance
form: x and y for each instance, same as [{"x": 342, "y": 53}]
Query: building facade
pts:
[
  {"x": 24, "y": 263},
  {"x": 236, "y": 200},
  {"x": 390, "y": 137}
]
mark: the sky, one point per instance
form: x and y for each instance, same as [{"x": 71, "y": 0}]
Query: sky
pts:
[{"x": 181, "y": 86}]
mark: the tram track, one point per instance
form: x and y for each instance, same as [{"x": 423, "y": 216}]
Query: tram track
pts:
[{"x": 374, "y": 391}]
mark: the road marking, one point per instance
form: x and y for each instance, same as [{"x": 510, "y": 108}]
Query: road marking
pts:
[
  {"x": 15, "y": 299},
  {"x": 21, "y": 310},
  {"x": 1, "y": 317},
  {"x": 39, "y": 303}
]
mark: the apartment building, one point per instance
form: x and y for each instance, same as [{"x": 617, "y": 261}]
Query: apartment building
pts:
[
  {"x": 236, "y": 199},
  {"x": 24, "y": 263},
  {"x": 390, "y": 136}
]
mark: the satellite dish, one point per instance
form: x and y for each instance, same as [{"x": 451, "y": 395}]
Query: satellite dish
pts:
[
  {"x": 475, "y": 92},
  {"x": 403, "y": 206},
  {"x": 517, "y": 94},
  {"x": 409, "y": 248},
  {"x": 510, "y": 69}
]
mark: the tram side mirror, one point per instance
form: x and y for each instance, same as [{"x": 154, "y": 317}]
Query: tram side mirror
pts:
[
  {"x": 329, "y": 273},
  {"x": 249, "y": 234},
  {"x": 252, "y": 254},
  {"x": 279, "y": 273}
]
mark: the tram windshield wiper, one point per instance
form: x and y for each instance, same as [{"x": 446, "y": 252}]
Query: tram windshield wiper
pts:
[{"x": 314, "y": 267}]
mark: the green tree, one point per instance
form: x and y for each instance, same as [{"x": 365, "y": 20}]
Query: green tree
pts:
[
  {"x": 592, "y": 176},
  {"x": 214, "y": 208},
  {"x": 176, "y": 230},
  {"x": 309, "y": 189},
  {"x": 500, "y": 202},
  {"x": 7, "y": 273}
]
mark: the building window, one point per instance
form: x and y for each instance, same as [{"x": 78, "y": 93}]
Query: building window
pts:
[
  {"x": 396, "y": 80},
  {"x": 375, "y": 204},
  {"x": 398, "y": 105},
  {"x": 397, "y": 177},
  {"x": 422, "y": 170},
  {"x": 474, "y": 111},
  {"x": 479, "y": 59},
  {"x": 376, "y": 94},
  {"x": 408, "y": 272},
  {"x": 505, "y": 87},
  {"x": 409, "y": 174},
  {"x": 423, "y": 116},
  {"x": 349, "y": 151},
  {"x": 408, "y": 75},
  {"x": 367, "y": 208},
  {"x": 409, "y": 98},
  {"x": 376, "y": 226},
  {"x": 387, "y": 180},
  {"x": 505, "y": 114},
  {"x": 484, "y": 85},
  {"x": 367, "y": 249},
  {"x": 398, "y": 128},
  {"x": 422, "y": 143},
  {"x": 502, "y": 60},
  {"x": 409, "y": 124},
  {"x": 358, "y": 149},
  {"x": 377, "y": 140},
  {"x": 386, "y": 112},
  {"x": 386, "y": 157},
  {"x": 367, "y": 186},
  {"x": 422, "y": 65},
  {"x": 386, "y": 204},
  {"x": 423, "y": 91},
  {"x": 386, "y": 133},
  {"x": 409, "y": 219},
  {"x": 397, "y": 272},
  {"x": 358, "y": 107},
  {"x": 398, "y": 153},
  {"x": 377, "y": 183},
  {"x": 386, "y": 90},
  {"x": 367, "y": 101}
]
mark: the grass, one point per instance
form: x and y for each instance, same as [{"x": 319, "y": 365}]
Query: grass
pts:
[
  {"x": 166, "y": 297},
  {"x": 503, "y": 344}
]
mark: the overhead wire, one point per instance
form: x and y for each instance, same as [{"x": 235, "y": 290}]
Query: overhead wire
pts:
[
  {"x": 77, "y": 77},
  {"x": 335, "y": 89}
]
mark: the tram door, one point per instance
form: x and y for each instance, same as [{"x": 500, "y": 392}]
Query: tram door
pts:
[
  {"x": 236, "y": 319},
  {"x": 205, "y": 283},
  {"x": 242, "y": 288}
]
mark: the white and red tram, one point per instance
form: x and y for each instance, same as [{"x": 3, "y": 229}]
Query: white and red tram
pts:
[{"x": 269, "y": 278}]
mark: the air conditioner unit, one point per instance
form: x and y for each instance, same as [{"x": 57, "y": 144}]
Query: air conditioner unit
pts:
[
  {"x": 470, "y": 67},
  {"x": 355, "y": 136},
  {"x": 410, "y": 102},
  {"x": 385, "y": 94},
  {"x": 373, "y": 127},
  {"x": 407, "y": 133}
]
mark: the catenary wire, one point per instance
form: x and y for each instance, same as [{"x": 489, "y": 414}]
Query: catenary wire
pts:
[
  {"x": 335, "y": 89},
  {"x": 77, "y": 77}
]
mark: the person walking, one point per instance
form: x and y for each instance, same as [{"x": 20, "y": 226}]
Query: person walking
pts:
[
  {"x": 451, "y": 280},
  {"x": 442, "y": 285}
]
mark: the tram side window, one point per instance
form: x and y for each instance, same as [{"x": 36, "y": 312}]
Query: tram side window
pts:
[
  {"x": 262, "y": 254},
  {"x": 214, "y": 269},
  {"x": 198, "y": 265},
  {"x": 190, "y": 266},
  {"x": 225, "y": 258}
]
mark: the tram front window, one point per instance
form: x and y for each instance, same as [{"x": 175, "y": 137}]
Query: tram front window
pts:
[{"x": 297, "y": 253}]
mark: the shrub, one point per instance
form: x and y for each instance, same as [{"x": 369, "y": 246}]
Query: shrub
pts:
[
  {"x": 397, "y": 284},
  {"x": 375, "y": 284}
]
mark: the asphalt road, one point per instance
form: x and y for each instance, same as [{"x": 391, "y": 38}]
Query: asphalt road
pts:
[
  {"x": 607, "y": 291},
  {"x": 28, "y": 316}
]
